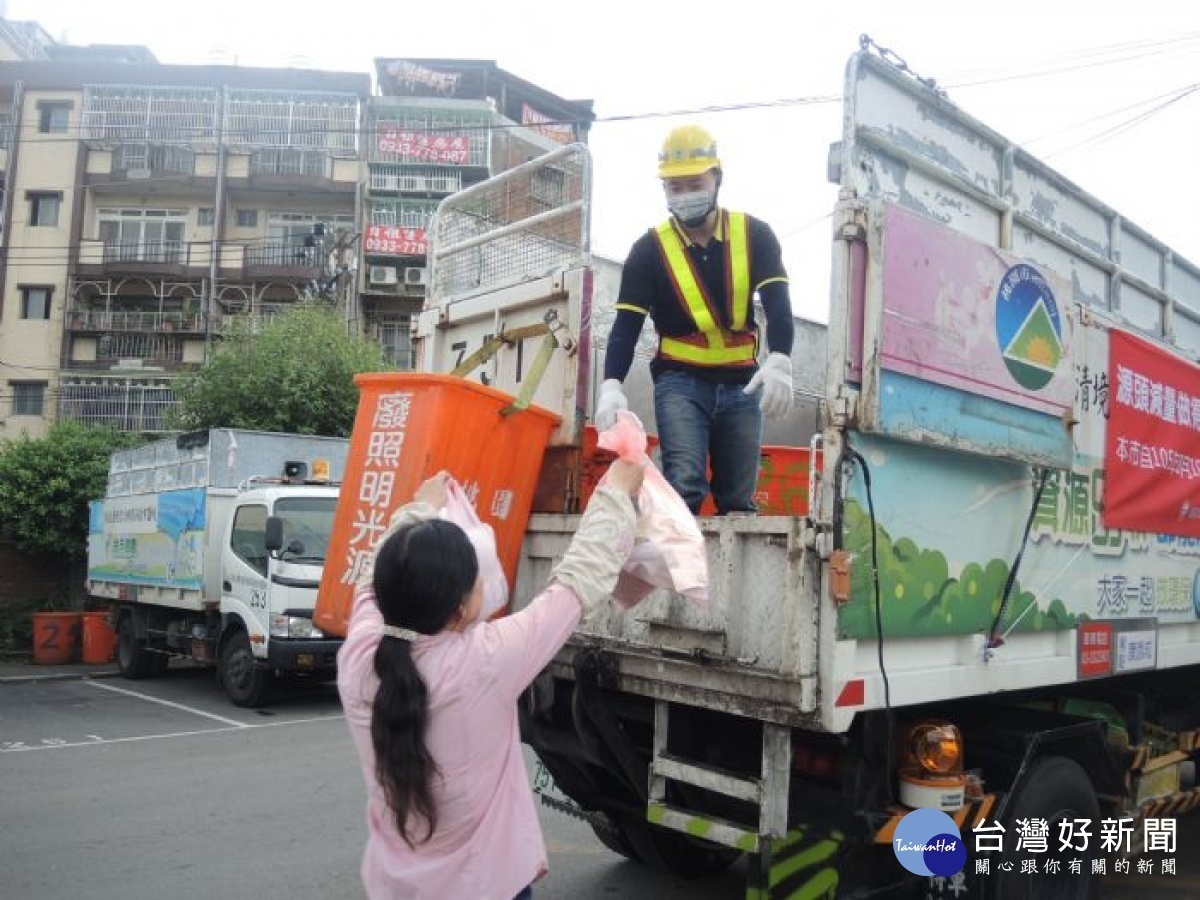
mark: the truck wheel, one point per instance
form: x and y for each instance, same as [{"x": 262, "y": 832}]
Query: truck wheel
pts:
[
  {"x": 245, "y": 683},
  {"x": 133, "y": 660},
  {"x": 1056, "y": 789},
  {"x": 612, "y": 835},
  {"x": 679, "y": 854}
]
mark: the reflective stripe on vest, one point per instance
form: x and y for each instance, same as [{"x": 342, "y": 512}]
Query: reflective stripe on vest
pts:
[{"x": 711, "y": 345}]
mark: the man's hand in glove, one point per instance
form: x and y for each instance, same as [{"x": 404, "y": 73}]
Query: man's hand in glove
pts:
[
  {"x": 612, "y": 400},
  {"x": 775, "y": 379}
]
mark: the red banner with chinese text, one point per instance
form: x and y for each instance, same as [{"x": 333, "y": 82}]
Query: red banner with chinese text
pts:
[
  {"x": 395, "y": 240},
  {"x": 424, "y": 146},
  {"x": 1152, "y": 451},
  {"x": 547, "y": 126}
]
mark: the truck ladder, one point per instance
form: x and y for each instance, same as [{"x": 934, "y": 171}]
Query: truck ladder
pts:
[{"x": 784, "y": 865}]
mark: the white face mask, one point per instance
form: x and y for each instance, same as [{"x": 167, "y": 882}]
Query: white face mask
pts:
[{"x": 692, "y": 208}]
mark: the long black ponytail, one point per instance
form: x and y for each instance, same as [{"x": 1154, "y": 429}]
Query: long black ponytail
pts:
[{"x": 423, "y": 574}]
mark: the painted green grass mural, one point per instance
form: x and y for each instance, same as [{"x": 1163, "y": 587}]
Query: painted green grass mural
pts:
[{"x": 920, "y": 596}]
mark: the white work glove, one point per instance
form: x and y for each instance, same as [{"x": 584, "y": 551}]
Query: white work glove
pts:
[
  {"x": 775, "y": 379},
  {"x": 612, "y": 400},
  {"x": 600, "y": 547}
]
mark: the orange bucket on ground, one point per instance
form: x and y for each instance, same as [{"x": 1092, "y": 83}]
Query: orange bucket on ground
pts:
[
  {"x": 782, "y": 488},
  {"x": 409, "y": 426},
  {"x": 55, "y": 637},
  {"x": 99, "y": 640},
  {"x": 594, "y": 462}
]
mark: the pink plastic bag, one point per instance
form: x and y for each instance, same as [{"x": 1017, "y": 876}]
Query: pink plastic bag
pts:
[
  {"x": 669, "y": 552},
  {"x": 461, "y": 512}
]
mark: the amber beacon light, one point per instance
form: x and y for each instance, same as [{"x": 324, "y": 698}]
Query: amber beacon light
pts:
[{"x": 931, "y": 767}]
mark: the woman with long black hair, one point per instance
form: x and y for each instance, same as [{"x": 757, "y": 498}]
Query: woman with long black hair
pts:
[{"x": 430, "y": 697}]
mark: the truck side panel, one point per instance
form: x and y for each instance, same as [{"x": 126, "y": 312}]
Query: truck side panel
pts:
[{"x": 152, "y": 541}]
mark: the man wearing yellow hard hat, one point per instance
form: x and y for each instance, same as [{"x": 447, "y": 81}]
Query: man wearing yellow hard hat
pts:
[{"x": 696, "y": 275}]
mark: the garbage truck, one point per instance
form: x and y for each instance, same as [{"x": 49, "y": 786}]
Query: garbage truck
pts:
[
  {"x": 209, "y": 547},
  {"x": 969, "y": 667}
]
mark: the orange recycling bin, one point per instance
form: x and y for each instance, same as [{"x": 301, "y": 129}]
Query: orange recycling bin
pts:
[
  {"x": 409, "y": 426},
  {"x": 782, "y": 488},
  {"x": 55, "y": 637},
  {"x": 99, "y": 640},
  {"x": 783, "y": 480}
]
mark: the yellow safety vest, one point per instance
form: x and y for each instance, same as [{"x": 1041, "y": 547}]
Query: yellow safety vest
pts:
[{"x": 711, "y": 344}]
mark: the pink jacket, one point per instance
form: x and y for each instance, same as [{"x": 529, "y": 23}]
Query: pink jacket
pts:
[{"x": 488, "y": 844}]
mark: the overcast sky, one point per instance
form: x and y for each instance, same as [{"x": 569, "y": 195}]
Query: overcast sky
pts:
[{"x": 1098, "y": 90}]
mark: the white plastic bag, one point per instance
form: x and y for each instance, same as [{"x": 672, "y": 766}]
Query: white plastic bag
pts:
[
  {"x": 669, "y": 552},
  {"x": 461, "y": 512}
]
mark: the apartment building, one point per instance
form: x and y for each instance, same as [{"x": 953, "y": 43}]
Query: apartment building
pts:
[
  {"x": 437, "y": 126},
  {"x": 147, "y": 205}
]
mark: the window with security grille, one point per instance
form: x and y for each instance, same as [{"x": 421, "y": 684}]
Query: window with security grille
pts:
[
  {"x": 395, "y": 340},
  {"x": 317, "y": 121},
  {"x": 125, "y": 404},
  {"x": 29, "y": 397},
  {"x": 186, "y": 116}
]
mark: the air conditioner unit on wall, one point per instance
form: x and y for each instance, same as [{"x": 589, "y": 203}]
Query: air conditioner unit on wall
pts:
[
  {"x": 382, "y": 275},
  {"x": 415, "y": 275}
]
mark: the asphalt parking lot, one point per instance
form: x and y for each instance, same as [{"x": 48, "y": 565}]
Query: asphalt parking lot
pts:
[{"x": 116, "y": 788}]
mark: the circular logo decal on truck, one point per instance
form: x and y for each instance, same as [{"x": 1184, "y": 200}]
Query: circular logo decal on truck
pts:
[{"x": 1028, "y": 327}]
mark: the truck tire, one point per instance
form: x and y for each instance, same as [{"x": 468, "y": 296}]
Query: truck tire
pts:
[
  {"x": 1055, "y": 789},
  {"x": 612, "y": 835},
  {"x": 245, "y": 683},
  {"x": 134, "y": 661},
  {"x": 680, "y": 854}
]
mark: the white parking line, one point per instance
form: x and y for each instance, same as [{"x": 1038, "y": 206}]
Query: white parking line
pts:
[
  {"x": 174, "y": 734},
  {"x": 147, "y": 697}
]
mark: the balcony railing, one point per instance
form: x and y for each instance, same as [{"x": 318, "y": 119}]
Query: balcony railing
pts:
[
  {"x": 291, "y": 163},
  {"x": 148, "y": 158},
  {"x": 281, "y": 256},
  {"x": 134, "y": 320},
  {"x": 262, "y": 316},
  {"x": 397, "y": 179},
  {"x": 168, "y": 252},
  {"x": 152, "y": 348}
]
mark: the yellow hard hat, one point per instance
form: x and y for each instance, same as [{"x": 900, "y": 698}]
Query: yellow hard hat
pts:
[{"x": 688, "y": 150}]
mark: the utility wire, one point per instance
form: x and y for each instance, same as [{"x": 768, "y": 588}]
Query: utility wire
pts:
[
  {"x": 1108, "y": 55},
  {"x": 1083, "y": 123},
  {"x": 1122, "y": 127}
]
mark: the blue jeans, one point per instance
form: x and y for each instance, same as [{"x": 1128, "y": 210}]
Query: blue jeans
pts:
[
  {"x": 701, "y": 423},
  {"x": 526, "y": 894}
]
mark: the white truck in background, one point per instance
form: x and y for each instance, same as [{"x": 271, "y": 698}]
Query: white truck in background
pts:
[
  {"x": 959, "y": 623},
  {"x": 209, "y": 546}
]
